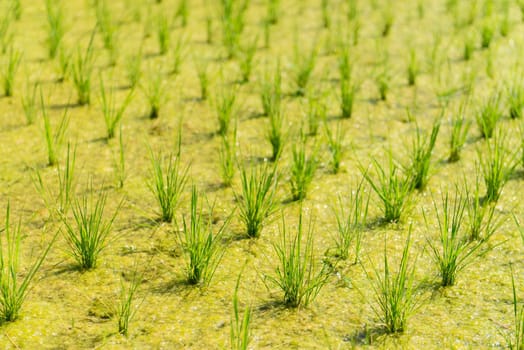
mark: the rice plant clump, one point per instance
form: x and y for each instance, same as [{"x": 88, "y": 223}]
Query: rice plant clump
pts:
[
  {"x": 395, "y": 292},
  {"x": 13, "y": 288},
  {"x": 516, "y": 99},
  {"x": 297, "y": 274},
  {"x": 459, "y": 133},
  {"x": 303, "y": 168},
  {"x": 256, "y": 200},
  {"x": 167, "y": 184},
  {"x": 421, "y": 150},
  {"x": 200, "y": 244},
  {"x": 126, "y": 305},
  {"x": 489, "y": 115},
  {"x": 240, "y": 333},
  {"x": 10, "y": 71},
  {"x": 82, "y": 69}
]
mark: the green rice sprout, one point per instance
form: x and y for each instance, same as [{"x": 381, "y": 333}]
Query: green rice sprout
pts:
[
  {"x": 326, "y": 19},
  {"x": 459, "y": 133},
  {"x": 163, "y": 34},
  {"x": 304, "y": 63},
  {"x": 515, "y": 93},
  {"x": 489, "y": 115},
  {"x": 16, "y": 8},
  {"x": 112, "y": 114},
  {"x": 515, "y": 341},
  {"x": 29, "y": 104},
  {"x": 351, "y": 218},
  {"x": 64, "y": 64},
  {"x": 392, "y": 187},
  {"x": 106, "y": 25},
  {"x": 469, "y": 47},
  {"x": 133, "y": 69},
  {"x": 120, "y": 162},
  {"x": 11, "y": 68},
  {"x": 316, "y": 113},
  {"x": 240, "y": 334},
  {"x": 497, "y": 165},
  {"x": 271, "y": 92},
  {"x": 396, "y": 292},
  {"x": 200, "y": 244},
  {"x": 420, "y": 155},
  {"x": 273, "y": 10},
  {"x": 335, "y": 140},
  {"x": 225, "y": 108},
  {"x": 487, "y": 33},
  {"x": 303, "y": 168},
  {"x": 453, "y": 251},
  {"x": 388, "y": 19},
  {"x": 55, "y": 23},
  {"x": 228, "y": 157},
  {"x": 167, "y": 184},
  {"x": 14, "y": 288},
  {"x": 182, "y": 12},
  {"x": 126, "y": 308},
  {"x": 276, "y": 135},
  {"x": 54, "y": 140},
  {"x": 155, "y": 93},
  {"x": 482, "y": 218},
  {"x": 413, "y": 67},
  {"x": 297, "y": 274},
  {"x": 256, "y": 198},
  {"x": 88, "y": 233},
  {"x": 233, "y": 23},
  {"x": 246, "y": 57},
  {"x": 82, "y": 68},
  {"x": 383, "y": 81},
  {"x": 203, "y": 78},
  {"x": 179, "y": 53}
]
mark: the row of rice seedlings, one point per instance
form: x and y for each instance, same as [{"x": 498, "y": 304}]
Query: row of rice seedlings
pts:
[
  {"x": 54, "y": 138},
  {"x": 13, "y": 287},
  {"x": 392, "y": 187},
  {"x": 256, "y": 198},
  {"x": 240, "y": 332},
  {"x": 422, "y": 148},
  {"x": 82, "y": 69},
  {"x": 351, "y": 223},
  {"x": 89, "y": 232},
  {"x": 395, "y": 291},
  {"x": 112, "y": 114},
  {"x": 11, "y": 67},
  {"x": 454, "y": 251},
  {"x": 303, "y": 168},
  {"x": 297, "y": 274},
  {"x": 497, "y": 165},
  {"x": 200, "y": 244},
  {"x": 56, "y": 28},
  {"x": 167, "y": 183},
  {"x": 233, "y": 23}
]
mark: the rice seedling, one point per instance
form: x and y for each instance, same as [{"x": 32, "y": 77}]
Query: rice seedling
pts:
[
  {"x": 209, "y": 30},
  {"x": 383, "y": 81},
  {"x": 119, "y": 162},
  {"x": 276, "y": 135},
  {"x": 64, "y": 64},
  {"x": 126, "y": 308},
  {"x": 347, "y": 87},
  {"x": 453, "y": 251},
  {"x": 267, "y": 34},
  {"x": 225, "y": 108},
  {"x": 167, "y": 183},
  {"x": 352, "y": 11},
  {"x": 316, "y": 113},
  {"x": 396, "y": 292},
  {"x": 497, "y": 165},
  {"x": 413, "y": 67},
  {"x": 133, "y": 69},
  {"x": 200, "y": 244},
  {"x": 112, "y": 114},
  {"x": 351, "y": 223},
  {"x": 163, "y": 33},
  {"x": 303, "y": 168},
  {"x": 256, "y": 198},
  {"x": 326, "y": 19},
  {"x": 228, "y": 157},
  {"x": 515, "y": 340},
  {"x": 459, "y": 133},
  {"x": 482, "y": 221},
  {"x": 246, "y": 57},
  {"x": 179, "y": 53},
  {"x": 489, "y": 115},
  {"x": 106, "y": 25},
  {"x": 29, "y": 104},
  {"x": 271, "y": 92},
  {"x": 486, "y": 34},
  {"x": 297, "y": 274},
  {"x": 55, "y": 23},
  {"x": 13, "y": 288},
  {"x": 11, "y": 68},
  {"x": 388, "y": 19},
  {"x": 273, "y": 10},
  {"x": 203, "y": 78},
  {"x": 240, "y": 334},
  {"x": 155, "y": 93},
  {"x": 469, "y": 47},
  {"x": 520, "y": 3},
  {"x": 515, "y": 93},
  {"x": 392, "y": 187},
  {"x": 303, "y": 64},
  {"x": 82, "y": 68},
  {"x": 335, "y": 140},
  {"x": 233, "y": 22},
  {"x": 420, "y": 155},
  {"x": 16, "y": 8},
  {"x": 182, "y": 12},
  {"x": 88, "y": 234},
  {"x": 54, "y": 140}
]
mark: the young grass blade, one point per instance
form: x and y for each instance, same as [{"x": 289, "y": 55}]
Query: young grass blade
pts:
[
  {"x": 10, "y": 71},
  {"x": 240, "y": 334},
  {"x": 126, "y": 308}
]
